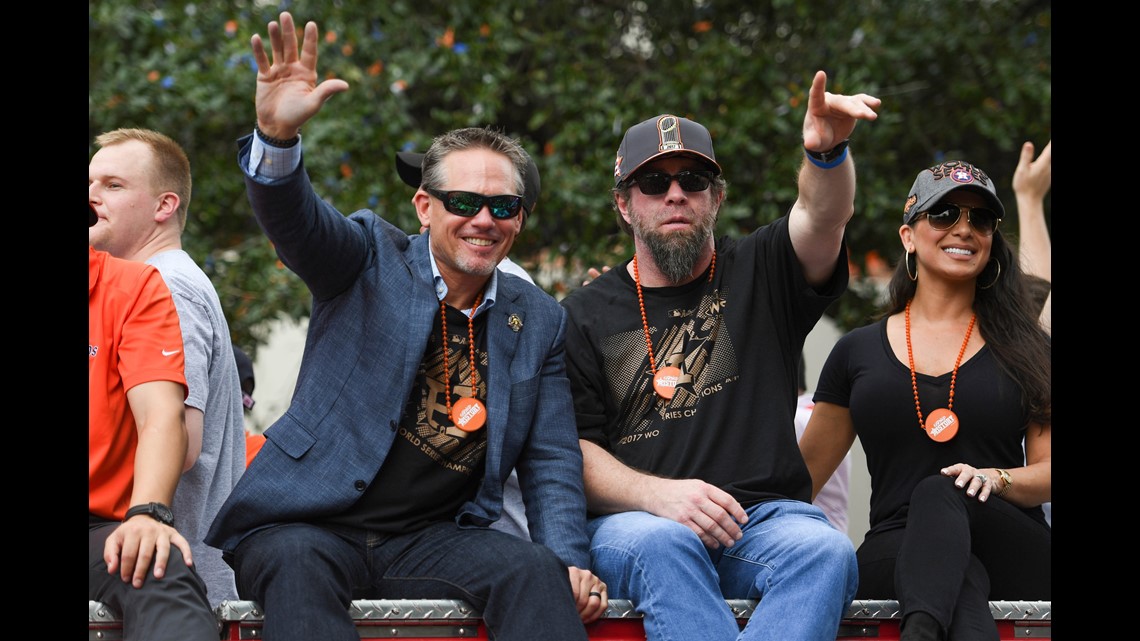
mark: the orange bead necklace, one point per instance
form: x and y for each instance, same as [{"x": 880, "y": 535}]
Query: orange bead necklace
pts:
[
  {"x": 665, "y": 381},
  {"x": 942, "y": 424},
  {"x": 472, "y": 413}
]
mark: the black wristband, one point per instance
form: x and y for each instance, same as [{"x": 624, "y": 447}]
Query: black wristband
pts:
[
  {"x": 830, "y": 158},
  {"x": 276, "y": 142}
]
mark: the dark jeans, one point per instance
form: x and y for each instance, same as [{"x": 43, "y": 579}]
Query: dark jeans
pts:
[
  {"x": 173, "y": 608},
  {"x": 304, "y": 576},
  {"x": 954, "y": 556}
]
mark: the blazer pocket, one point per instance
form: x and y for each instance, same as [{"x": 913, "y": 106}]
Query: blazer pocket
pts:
[
  {"x": 523, "y": 392},
  {"x": 291, "y": 436},
  {"x": 523, "y": 407}
]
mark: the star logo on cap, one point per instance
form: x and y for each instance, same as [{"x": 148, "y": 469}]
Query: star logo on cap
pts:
[{"x": 961, "y": 175}]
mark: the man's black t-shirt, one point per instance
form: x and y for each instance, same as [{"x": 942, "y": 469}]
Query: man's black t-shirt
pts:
[{"x": 735, "y": 339}]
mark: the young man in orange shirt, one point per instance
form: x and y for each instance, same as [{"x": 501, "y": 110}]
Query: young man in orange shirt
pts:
[{"x": 136, "y": 447}]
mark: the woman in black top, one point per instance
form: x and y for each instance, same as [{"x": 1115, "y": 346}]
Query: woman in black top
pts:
[{"x": 943, "y": 391}]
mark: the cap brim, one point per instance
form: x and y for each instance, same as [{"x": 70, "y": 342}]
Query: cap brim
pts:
[
  {"x": 986, "y": 194},
  {"x": 532, "y": 183},
  {"x": 713, "y": 165},
  {"x": 990, "y": 198},
  {"x": 408, "y": 165}
]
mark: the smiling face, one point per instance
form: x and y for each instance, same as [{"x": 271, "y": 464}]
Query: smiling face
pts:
[
  {"x": 674, "y": 227},
  {"x": 957, "y": 253},
  {"x": 467, "y": 250}
]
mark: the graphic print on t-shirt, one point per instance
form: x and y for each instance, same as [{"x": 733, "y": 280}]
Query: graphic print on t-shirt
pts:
[
  {"x": 693, "y": 340},
  {"x": 432, "y": 468},
  {"x": 426, "y": 425}
]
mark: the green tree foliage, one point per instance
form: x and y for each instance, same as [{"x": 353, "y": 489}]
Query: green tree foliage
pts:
[{"x": 969, "y": 80}]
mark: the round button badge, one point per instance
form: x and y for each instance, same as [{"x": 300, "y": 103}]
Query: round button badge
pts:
[
  {"x": 942, "y": 425},
  {"x": 665, "y": 381},
  {"x": 469, "y": 414}
]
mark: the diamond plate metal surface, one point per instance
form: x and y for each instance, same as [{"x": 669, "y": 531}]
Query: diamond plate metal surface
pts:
[
  {"x": 441, "y": 609},
  {"x": 412, "y": 609},
  {"x": 1002, "y": 610},
  {"x": 872, "y": 609},
  {"x": 105, "y": 624},
  {"x": 239, "y": 611},
  {"x": 742, "y": 608},
  {"x": 102, "y": 623},
  {"x": 100, "y": 613},
  {"x": 371, "y": 610},
  {"x": 621, "y": 609},
  {"x": 1022, "y": 610}
]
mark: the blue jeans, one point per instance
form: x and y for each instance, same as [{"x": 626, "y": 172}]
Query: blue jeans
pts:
[
  {"x": 304, "y": 576},
  {"x": 803, "y": 571}
]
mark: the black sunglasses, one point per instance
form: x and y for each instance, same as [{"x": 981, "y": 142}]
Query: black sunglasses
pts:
[
  {"x": 658, "y": 183},
  {"x": 467, "y": 204},
  {"x": 943, "y": 216}
]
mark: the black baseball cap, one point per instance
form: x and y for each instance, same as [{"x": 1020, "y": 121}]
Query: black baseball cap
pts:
[
  {"x": 663, "y": 135},
  {"x": 245, "y": 374}
]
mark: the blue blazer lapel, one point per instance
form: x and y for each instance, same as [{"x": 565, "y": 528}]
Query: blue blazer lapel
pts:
[
  {"x": 502, "y": 343},
  {"x": 422, "y": 302}
]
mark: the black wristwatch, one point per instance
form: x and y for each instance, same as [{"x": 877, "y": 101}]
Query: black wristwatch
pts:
[
  {"x": 829, "y": 155},
  {"x": 156, "y": 511}
]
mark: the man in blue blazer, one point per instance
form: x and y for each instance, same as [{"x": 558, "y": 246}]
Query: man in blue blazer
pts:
[{"x": 427, "y": 376}]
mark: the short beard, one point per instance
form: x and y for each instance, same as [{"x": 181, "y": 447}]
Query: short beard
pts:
[
  {"x": 475, "y": 267},
  {"x": 675, "y": 254}
]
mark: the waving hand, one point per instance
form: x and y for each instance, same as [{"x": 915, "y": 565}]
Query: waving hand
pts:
[{"x": 287, "y": 91}]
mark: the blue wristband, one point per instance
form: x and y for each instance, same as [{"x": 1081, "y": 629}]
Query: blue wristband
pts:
[{"x": 827, "y": 165}]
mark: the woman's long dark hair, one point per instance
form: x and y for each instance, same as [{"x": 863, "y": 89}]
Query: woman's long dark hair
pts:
[{"x": 1007, "y": 319}]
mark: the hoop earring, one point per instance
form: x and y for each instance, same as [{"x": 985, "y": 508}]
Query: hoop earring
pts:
[
  {"x": 996, "y": 277},
  {"x": 906, "y": 261}
]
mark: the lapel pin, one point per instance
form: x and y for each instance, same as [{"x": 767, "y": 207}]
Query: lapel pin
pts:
[{"x": 515, "y": 323}]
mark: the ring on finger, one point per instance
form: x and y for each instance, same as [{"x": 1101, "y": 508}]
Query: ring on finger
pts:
[
  {"x": 982, "y": 477},
  {"x": 597, "y": 594}
]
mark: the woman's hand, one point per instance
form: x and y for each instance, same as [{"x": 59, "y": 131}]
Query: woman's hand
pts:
[{"x": 979, "y": 483}]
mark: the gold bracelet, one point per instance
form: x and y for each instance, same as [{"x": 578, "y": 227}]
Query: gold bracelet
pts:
[{"x": 1007, "y": 481}]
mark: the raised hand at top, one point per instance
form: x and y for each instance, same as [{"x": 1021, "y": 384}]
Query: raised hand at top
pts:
[
  {"x": 287, "y": 91},
  {"x": 831, "y": 117}
]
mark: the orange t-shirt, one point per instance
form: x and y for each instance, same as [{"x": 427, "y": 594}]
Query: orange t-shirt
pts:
[
  {"x": 134, "y": 338},
  {"x": 253, "y": 444}
]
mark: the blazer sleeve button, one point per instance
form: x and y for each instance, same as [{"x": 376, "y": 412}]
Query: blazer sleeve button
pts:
[
  {"x": 360, "y": 485},
  {"x": 392, "y": 425}
]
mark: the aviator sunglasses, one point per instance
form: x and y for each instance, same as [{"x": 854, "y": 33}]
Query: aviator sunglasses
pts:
[
  {"x": 658, "y": 183},
  {"x": 467, "y": 204},
  {"x": 943, "y": 216}
]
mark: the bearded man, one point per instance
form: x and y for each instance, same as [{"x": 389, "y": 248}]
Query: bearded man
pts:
[{"x": 682, "y": 362}]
